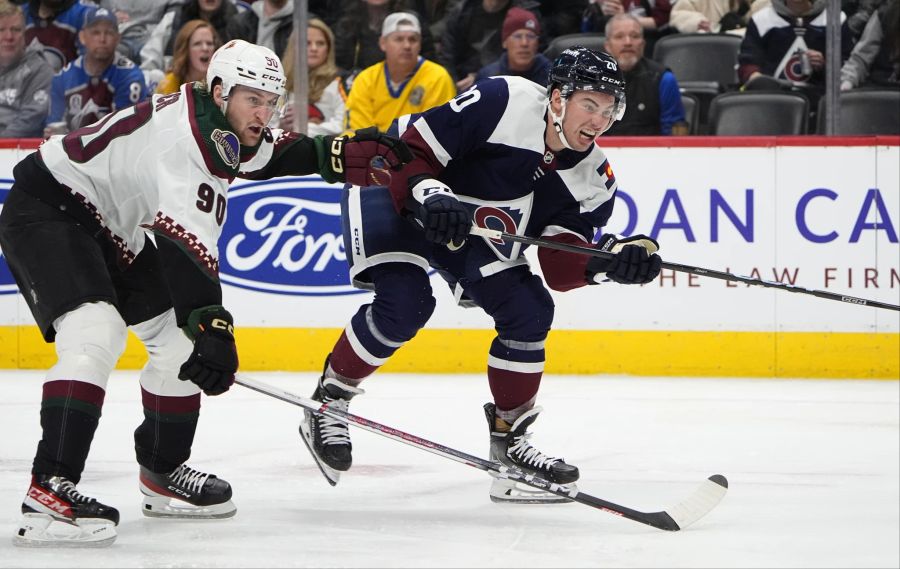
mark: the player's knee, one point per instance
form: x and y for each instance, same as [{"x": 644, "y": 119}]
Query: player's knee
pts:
[
  {"x": 534, "y": 311},
  {"x": 167, "y": 346},
  {"x": 403, "y": 301},
  {"x": 90, "y": 340}
]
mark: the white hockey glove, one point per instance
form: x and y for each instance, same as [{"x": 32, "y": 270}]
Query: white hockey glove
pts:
[{"x": 636, "y": 261}]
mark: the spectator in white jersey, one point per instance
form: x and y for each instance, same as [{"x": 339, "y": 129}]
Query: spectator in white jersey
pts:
[
  {"x": 73, "y": 231},
  {"x": 24, "y": 78}
]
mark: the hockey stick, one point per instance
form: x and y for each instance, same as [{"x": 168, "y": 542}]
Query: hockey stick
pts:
[
  {"x": 721, "y": 275},
  {"x": 698, "y": 504}
]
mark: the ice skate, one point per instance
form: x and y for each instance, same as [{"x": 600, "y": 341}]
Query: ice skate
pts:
[
  {"x": 55, "y": 514},
  {"x": 328, "y": 440},
  {"x": 510, "y": 447},
  {"x": 185, "y": 493}
]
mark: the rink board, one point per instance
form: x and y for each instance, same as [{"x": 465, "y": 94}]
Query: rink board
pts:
[{"x": 813, "y": 212}]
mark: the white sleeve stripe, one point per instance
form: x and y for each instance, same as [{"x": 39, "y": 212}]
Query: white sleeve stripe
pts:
[{"x": 431, "y": 140}]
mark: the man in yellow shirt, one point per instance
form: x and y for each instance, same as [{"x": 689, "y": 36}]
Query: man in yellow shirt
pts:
[{"x": 403, "y": 83}]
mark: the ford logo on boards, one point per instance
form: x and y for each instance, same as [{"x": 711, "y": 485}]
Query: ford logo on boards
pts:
[
  {"x": 284, "y": 236},
  {"x": 7, "y": 284}
]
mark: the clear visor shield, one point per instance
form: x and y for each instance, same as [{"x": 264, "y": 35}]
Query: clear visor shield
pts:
[{"x": 255, "y": 99}]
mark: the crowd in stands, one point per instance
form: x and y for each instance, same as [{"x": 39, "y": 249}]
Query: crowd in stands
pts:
[{"x": 65, "y": 64}]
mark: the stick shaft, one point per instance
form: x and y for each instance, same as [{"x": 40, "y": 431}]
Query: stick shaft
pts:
[{"x": 721, "y": 275}]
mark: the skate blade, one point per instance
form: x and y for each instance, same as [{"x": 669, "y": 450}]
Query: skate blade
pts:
[
  {"x": 165, "y": 507},
  {"x": 42, "y": 530},
  {"x": 331, "y": 475},
  {"x": 509, "y": 492}
]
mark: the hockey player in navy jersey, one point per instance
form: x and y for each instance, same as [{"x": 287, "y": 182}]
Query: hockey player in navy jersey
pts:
[
  {"x": 506, "y": 154},
  {"x": 73, "y": 231}
]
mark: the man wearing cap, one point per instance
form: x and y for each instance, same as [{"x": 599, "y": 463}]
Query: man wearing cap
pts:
[
  {"x": 403, "y": 83},
  {"x": 96, "y": 83},
  {"x": 520, "y": 34}
]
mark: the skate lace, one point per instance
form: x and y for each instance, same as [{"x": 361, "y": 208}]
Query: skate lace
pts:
[
  {"x": 188, "y": 478},
  {"x": 530, "y": 455},
  {"x": 67, "y": 487},
  {"x": 334, "y": 432}
]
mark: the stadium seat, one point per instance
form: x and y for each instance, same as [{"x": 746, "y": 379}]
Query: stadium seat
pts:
[
  {"x": 700, "y": 61},
  {"x": 561, "y": 43},
  {"x": 758, "y": 113},
  {"x": 865, "y": 111},
  {"x": 691, "y": 109}
]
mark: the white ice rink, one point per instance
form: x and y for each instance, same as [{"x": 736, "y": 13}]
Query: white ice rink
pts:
[{"x": 813, "y": 466}]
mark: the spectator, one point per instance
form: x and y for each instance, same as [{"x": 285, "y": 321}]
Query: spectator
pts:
[
  {"x": 194, "y": 45},
  {"x": 472, "y": 37},
  {"x": 267, "y": 23},
  {"x": 653, "y": 100},
  {"x": 96, "y": 83},
  {"x": 562, "y": 17},
  {"x": 786, "y": 41},
  {"x": 359, "y": 28},
  {"x": 137, "y": 18},
  {"x": 520, "y": 35},
  {"x": 692, "y": 16},
  {"x": 325, "y": 96},
  {"x": 24, "y": 78},
  {"x": 156, "y": 55},
  {"x": 875, "y": 59},
  {"x": 55, "y": 24},
  {"x": 652, "y": 14},
  {"x": 858, "y": 13},
  {"x": 405, "y": 83}
]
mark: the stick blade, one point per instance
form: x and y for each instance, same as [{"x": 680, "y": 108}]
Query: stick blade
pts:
[{"x": 706, "y": 497}]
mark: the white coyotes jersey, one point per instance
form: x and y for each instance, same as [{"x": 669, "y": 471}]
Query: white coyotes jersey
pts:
[{"x": 163, "y": 165}]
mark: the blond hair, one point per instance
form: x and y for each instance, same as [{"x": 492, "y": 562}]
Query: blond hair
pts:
[
  {"x": 321, "y": 76},
  {"x": 7, "y": 8}
]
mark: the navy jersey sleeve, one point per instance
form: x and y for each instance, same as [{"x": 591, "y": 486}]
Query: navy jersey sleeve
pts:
[{"x": 450, "y": 132}]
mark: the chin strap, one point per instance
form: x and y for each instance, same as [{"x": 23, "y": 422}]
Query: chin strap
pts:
[{"x": 557, "y": 122}]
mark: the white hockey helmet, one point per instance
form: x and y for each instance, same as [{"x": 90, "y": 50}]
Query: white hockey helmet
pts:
[{"x": 249, "y": 65}]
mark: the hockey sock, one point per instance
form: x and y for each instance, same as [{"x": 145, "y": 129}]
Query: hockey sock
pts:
[
  {"x": 163, "y": 441},
  {"x": 70, "y": 412},
  {"x": 514, "y": 374}
]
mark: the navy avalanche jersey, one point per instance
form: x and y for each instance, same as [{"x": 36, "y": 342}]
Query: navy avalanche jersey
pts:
[
  {"x": 487, "y": 144},
  {"x": 58, "y": 35},
  {"x": 78, "y": 99}
]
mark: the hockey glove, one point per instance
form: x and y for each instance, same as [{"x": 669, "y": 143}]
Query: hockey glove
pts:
[
  {"x": 214, "y": 361},
  {"x": 636, "y": 261},
  {"x": 438, "y": 213},
  {"x": 365, "y": 159}
]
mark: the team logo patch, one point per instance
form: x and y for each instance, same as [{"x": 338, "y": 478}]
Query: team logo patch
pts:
[
  {"x": 228, "y": 147},
  {"x": 416, "y": 95}
]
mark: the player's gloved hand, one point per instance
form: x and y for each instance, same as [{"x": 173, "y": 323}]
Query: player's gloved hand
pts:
[
  {"x": 636, "y": 261},
  {"x": 364, "y": 159},
  {"x": 436, "y": 210},
  {"x": 214, "y": 361}
]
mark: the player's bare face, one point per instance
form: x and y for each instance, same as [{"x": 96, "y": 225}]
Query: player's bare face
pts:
[
  {"x": 12, "y": 39},
  {"x": 588, "y": 115},
  {"x": 249, "y": 111}
]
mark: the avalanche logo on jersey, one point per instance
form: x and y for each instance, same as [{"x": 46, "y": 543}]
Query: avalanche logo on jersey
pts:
[
  {"x": 7, "y": 283},
  {"x": 508, "y": 216},
  {"x": 284, "y": 236},
  {"x": 228, "y": 146}
]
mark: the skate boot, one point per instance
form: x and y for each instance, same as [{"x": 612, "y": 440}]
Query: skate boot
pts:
[
  {"x": 328, "y": 440},
  {"x": 55, "y": 514},
  {"x": 510, "y": 446},
  {"x": 185, "y": 493}
]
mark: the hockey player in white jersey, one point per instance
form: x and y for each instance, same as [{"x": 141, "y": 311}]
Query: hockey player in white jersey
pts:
[{"x": 74, "y": 232}]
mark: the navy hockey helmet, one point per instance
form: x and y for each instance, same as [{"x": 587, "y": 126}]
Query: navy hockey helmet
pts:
[{"x": 580, "y": 68}]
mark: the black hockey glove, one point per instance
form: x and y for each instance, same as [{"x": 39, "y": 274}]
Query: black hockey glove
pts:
[
  {"x": 214, "y": 361},
  {"x": 365, "y": 159},
  {"x": 636, "y": 261},
  {"x": 438, "y": 213}
]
